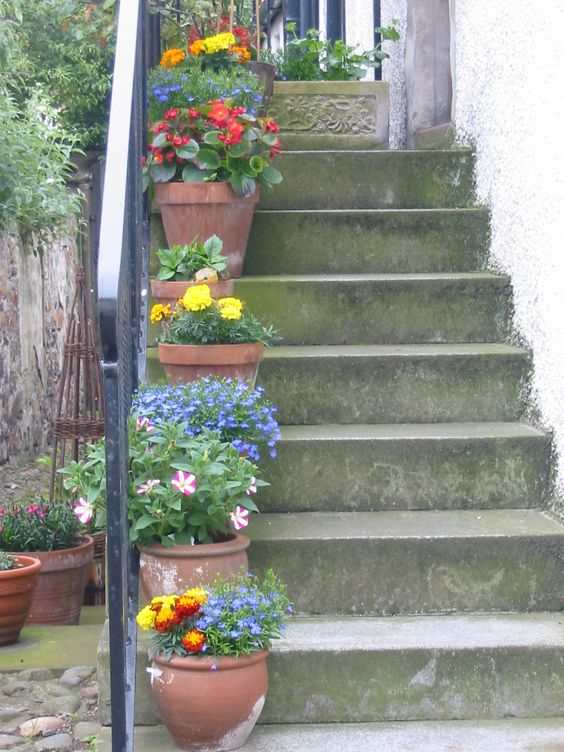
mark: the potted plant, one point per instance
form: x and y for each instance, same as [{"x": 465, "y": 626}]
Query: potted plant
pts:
[
  {"x": 188, "y": 497},
  {"x": 183, "y": 266},
  {"x": 18, "y": 579},
  {"x": 321, "y": 101},
  {"x": 240, "y": 414},
  {"x": 202, "y": 336},
  {"x": 52, "y": 532},
  {"x": 209, "y": 676}
]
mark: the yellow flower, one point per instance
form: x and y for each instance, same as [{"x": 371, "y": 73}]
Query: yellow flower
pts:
[
  {"x": 230, "y": 302},
  {"x": 167, "y": 601},
  {"x": 196, "y": 47},
  {"x": 242, "y": 53},
  {"x": 198, "y": 594},
  {"x": 230, "y": 312},
  {"x": 218, "y": 43},
  {"x": 197, "y": 298},
  {"x": 172, "y": 57},
  {"x": 146, "y": 618},
  {"x": 160, "y": 312}
]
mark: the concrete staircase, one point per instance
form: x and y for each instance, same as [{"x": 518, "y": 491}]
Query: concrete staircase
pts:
[{"x": 406, "y": 505}]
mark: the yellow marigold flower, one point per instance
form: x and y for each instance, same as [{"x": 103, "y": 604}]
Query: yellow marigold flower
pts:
[
  {"x": 198, "y": 594},
  {"x": 230, "y": 302},
  {"x": 197, "y": 298},
  {"x": 172, "y": 57},
  {"x": 196, "y": 47},
  {"x": 163, "y": 600},
  {"x": 160, "y": 312},
  {"x": 242, "y": 53},
  {"x": 230, "y": 312},
  {"x": 146, "y": 618},
  {"x": 218, "y": 43}
]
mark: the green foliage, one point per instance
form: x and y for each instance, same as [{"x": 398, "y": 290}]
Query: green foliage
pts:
[
  {"x": 181, "y": 262},
  {"x": 7, "y": 563},
  {"x": 158, "y": 512},
  {"x": 313, "y": 59},
  {"x": 39, "y": 526},
  {"x": 201, "y": 17}
]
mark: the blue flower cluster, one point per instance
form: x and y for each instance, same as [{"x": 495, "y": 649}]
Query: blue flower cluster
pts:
[
  {"x": 241, "y": 414},
  {"x": 162, "y": 93}
]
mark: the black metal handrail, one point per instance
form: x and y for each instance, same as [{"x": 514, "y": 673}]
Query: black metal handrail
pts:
[{"x": 122, "y": 262}]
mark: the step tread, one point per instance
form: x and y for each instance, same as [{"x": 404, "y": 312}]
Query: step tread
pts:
[
  {"x": 409, "y": 351},
  {"x": 515, "y": 735},
  {"x": 412, "y": 431},
  {"x": 407, "y": 277},
  {"x": 444, "y": 632},
  {"x": 441, "y": 524},
  {"x": 477, "y": 209}
]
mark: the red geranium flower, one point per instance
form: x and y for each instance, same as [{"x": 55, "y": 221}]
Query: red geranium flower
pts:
[{"x": 218, "y": 114}]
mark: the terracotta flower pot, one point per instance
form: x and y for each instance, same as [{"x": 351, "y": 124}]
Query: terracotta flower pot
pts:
[
  {"x": 16, "y": 591},
  {"x": 165, "y": 292},
  {"x": 168, "y": 571},
  {"x": 204, "y": 209},
  {"x": 209, "y": 703},
  {"x": 60, "y": 588},
  {"x": 188, "y": 362}
]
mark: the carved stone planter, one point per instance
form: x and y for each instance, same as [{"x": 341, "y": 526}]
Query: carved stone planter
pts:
[{"x": 332, "y": 114}]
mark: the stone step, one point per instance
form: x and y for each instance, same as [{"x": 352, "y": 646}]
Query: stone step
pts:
[
  {"x": 361, "y": 670},
  {"x": 381, "y": 308},
  {"x": 406, "y": 467},
  {"x": 373, "y": 180},
  {"x": 360, "y": 241},
  {"x": 382, "y": 563},
  {"x": 515, "y": 735},
  {"x": 390, "y": 383}
]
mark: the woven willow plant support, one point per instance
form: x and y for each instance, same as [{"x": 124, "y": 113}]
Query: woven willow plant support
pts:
[{"x": 80, "y": 406}]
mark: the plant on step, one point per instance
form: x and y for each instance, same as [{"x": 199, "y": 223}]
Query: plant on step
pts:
[
  {"x": 241, "y": 414},
  {"x": 181, "y": 489},
  {"x": 198, "y": 319},
  {"x": 311, "y": 58},
  {"x": 183, "y": 262},
  {"x": 233, "y": 618},
  {"x": 40, "y": 525},
  {"x": 218, "y": 141}
]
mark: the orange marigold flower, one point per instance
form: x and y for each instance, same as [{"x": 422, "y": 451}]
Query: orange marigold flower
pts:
[
  {"x": 172, "y": 57},
  {"x": 193, "y": 641},
  {"x": 165, "y": 619},
  {"x": 187, "y": 606},
  {"x": 241, "y": 52},
  {"x": 197, "y": 47}
]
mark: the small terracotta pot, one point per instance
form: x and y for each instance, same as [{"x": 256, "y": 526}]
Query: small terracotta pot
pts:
[
  {"x": 209, "y": 703},
  {"x": 190, "y": 210},
  {"x": 168, "y": 571},
  {"x": 60, "y": 588},
  {"x": 188, "y": 362},
  {"x": 16, "y": 591},
  {"x": 164, "y": 292}
]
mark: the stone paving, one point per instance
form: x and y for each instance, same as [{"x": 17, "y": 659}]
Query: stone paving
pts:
[{"x": 49, "y": 710}]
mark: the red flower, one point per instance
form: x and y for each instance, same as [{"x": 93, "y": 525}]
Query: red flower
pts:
[
  {"x": 170, "y": 156},
  {"x": 235, "y": 131},
  {"x": 177, "y": 140},
  {"x": 169, "y": 137},
  {"x": 218, "y": 114},
  {"x": 172, "y": 114},
  {"x": 194, "y": 113},
  {"x": 158, "y": 156},
  {"x": 275, "y": 149},
  {"x": 180, "y": 160},
  {"x": 143, "y": 163},
  {"x": 271, "y": 126},
  {"x": 185, "y": 139},
  {"x": 193, "y": 641},
  {"x": 237, "y": 111}
]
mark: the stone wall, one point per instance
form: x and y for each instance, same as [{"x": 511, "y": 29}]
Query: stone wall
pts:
[{"x": 35, "y": 291}]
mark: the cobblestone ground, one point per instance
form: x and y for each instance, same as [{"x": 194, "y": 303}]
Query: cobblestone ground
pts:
[{"x": 45, "y": 710}]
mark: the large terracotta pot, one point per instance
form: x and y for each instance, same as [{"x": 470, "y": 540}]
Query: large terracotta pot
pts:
[
  {"x": 16, "y": 591},
  {"x": 62, "y": 580},
  {"x": 164, "y": 292},
  {"x": 188, "y": 362},
  {"x": 204, "y": 209},
  {"x": 209, "y": 703},
  {"x": 168, "y": 571}
]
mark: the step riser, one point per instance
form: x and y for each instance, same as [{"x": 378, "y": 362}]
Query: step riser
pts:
[
  {"x": 368, "y": 242},
  {"x": 380, "y": 577},
  {"x": 363, "y": 686},
  {"x": 373, "y": 180},
  {"x": 388, "y": 475}
]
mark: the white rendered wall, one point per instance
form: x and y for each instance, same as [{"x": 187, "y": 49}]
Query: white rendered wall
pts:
[{"x": 509, "y": 102}]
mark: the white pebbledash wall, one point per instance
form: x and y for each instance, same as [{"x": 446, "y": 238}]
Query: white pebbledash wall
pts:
[{"x": 509, "y": 103}]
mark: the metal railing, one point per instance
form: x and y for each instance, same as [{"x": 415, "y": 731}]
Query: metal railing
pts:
[{"x": 121, "y": 288}]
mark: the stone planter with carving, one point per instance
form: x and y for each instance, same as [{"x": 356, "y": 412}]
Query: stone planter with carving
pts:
[{"x": 332, "y": 114}]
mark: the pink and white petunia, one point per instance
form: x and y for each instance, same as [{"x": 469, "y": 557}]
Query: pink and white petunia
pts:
[
  {"x": 240, "y": 517},
  {"x": 252, "y": 489},
  {"x": 83, "y": 511},
  {"x": 146, "y": 488},
  {"x": 184, "y": 482},
  {"x": 145, "y": 423}
]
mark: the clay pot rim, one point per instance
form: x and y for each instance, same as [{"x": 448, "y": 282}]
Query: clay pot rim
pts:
[
  {"x": 205, "y": 662},
  {"x": 219, "y": 192},
  {"x": 211, "y": 354},
  {"x": 29, "y": 565},
  {"x": 82, "y": 543},
  {"x": 234, "y": 544}
]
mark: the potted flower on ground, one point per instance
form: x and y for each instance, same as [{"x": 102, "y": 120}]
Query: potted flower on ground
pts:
[
  {"x": 52, "y": 532},
  {"x": 202, "y": 336},
  {"x": 188, "y": 496},
  {"x": 184, "y": 266},
  {"x": 240, "y": 414},
  {"x": 18, "y": 579},
  {"x": 209, "y": 676}
]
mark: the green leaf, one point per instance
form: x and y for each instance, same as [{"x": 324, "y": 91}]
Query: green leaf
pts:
[
  {"x": 188, "y": 151},
  {"x": 272, "y": 175},
  {"x": 208, "y": 158},
  {"x": 212, "y": 139},
  {"x": 191, "y": 174},
  {"x": 144, "y": 521},
  {"x": 160, "y": 139},
  {"x": 257, "y": 163},
  {"x": 162, "y": 173}
]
